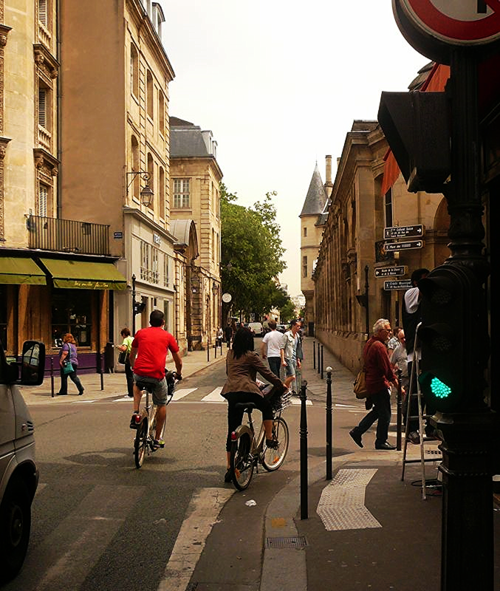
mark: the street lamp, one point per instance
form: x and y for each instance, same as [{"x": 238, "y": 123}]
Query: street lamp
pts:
[
  {"x": 137, "y": 307},
  {"x": 146, "y": 192}
]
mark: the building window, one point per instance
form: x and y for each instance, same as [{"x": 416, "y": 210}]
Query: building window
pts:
[
  {"x": 161, "y": 112},
  {"x": 136, "y": 166},
  {"x": 182, "y": 193},
  {"x": 305, "y": 232},
  {"x": 134, "y": 71},
  {"x": 149, "y": 94},
  {"x": 42, "y": 12},
  {"x": 43, "y": 199},
  {"x": 145, "y": 260},
  {"x": 161, "y": 193},
  {"x": 42, "y": 107},
  {"x": 72, "y": 312},
  {"x": 151, "y": 181},
  {"x": 304, "y": 266},
  {"x": 155, "y": 272},
  {"x": 388, "y": 208},
  {"x": 166, "y": 271}
]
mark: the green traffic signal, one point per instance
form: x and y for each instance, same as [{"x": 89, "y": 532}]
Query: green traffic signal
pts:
[{"x": 439, "y": 388}]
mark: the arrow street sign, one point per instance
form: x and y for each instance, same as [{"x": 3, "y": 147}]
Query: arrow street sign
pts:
[
  {"x": 410, "y": 245},
  {"x": 393, "y": 285},
  {"x": 403, "y": 231},
  {"x": 390, "y": 271},
  {"x": 461, "y": 22}
]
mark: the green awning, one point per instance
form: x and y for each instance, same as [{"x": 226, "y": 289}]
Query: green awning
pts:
[
  {"x": 19, "y": 270},
  {"x": 84, "y": 275}
]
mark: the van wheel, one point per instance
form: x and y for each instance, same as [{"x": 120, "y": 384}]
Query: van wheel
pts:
[{"x": 15, "y": 525}]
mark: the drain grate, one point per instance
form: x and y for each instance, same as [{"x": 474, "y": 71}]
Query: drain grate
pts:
[{"x": 287, "y": 542}]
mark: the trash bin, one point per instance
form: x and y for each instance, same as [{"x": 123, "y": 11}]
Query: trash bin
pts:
[{"x": 109, "y": 358}]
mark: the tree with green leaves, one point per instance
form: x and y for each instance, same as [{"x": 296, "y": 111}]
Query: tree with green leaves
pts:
[{"x": 251, "y": 254}]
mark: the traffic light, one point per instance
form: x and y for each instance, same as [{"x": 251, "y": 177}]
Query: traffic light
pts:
[
  {"x": 139, "y": 307},
  {"x": 416, "y": 125},
  {"x": 453, "y": 338}
]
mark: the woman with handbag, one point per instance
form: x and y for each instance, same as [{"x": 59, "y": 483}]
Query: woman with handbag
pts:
[
  {"x": 379, "y": 377},
  {"x": 68, "y": 361},
  {"x": 124, "y": 359}
]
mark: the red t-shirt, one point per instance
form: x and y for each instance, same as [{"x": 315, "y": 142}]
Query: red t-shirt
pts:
[{"x": 152, "y": 346}]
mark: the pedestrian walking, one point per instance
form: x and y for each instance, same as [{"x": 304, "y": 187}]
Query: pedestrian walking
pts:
[
  {"x": 379, "y": 377},
  {"x": 126, "y": 347},
  {"x": 68, "y": 362},
  {"x": 288, "y": 351},
  {"x": 271, "y": 346},
  {"x": 228, "y": 333}
]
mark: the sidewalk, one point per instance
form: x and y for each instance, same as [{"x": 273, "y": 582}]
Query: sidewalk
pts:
[
  {"x": 366, "y": 529},
  {"x": 114, "y": 383}
]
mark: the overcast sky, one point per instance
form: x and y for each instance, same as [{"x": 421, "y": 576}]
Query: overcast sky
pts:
[{"x": 279, "y": 83}]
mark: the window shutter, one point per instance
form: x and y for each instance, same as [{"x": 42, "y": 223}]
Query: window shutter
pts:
[{"x": 42, "y": 107}]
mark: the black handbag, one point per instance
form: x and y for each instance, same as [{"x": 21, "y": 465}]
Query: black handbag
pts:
[{"x": 123, "y": 357}]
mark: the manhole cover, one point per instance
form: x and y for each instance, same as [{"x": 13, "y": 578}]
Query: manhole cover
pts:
[{"x": 286, "y": 542}]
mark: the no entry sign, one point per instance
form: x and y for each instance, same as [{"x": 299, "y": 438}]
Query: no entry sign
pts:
[{"x": 458, "y": 22}]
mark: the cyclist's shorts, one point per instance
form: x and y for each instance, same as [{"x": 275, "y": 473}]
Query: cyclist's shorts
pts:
[{"x": 160, "y": 390}]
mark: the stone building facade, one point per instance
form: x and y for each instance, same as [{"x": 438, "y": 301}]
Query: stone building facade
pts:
[
  {"x": 312, "y": 221},
  {"x": 348, "y": 297},
  {"x": 195, "y": 178}
]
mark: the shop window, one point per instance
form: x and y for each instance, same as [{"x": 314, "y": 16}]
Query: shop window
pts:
[{"x": 72, "y": 312}]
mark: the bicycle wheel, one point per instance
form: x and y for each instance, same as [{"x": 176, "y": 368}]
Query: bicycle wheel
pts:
[
  {"x": 141, "y": 441},
  {"x": 241, "y": 462},
  {"x": 273, "y": 458}
]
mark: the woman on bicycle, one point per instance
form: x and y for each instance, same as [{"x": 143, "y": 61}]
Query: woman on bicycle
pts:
[{"x": 242, "y": 366}]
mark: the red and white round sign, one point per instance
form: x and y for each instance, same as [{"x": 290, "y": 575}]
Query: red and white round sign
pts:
[{"x": 459, "y": 22}]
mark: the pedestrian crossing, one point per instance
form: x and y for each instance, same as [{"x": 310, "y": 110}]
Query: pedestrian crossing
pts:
[{"x": 198, "y": 395}]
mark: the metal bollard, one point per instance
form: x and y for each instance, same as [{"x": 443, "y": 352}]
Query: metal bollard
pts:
[
  {"x": 322, "y": 365},
  {"x": 303, "y": 453},
  {"x": 329, "y": 423},
  {"x": 314, "y": 354},
  {"x": 399, "y": 415},
  {"x": 52, "y": 392}
]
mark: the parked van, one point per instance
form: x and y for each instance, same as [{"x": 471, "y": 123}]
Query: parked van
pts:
[
  {"x": 256, "y": 328},
  {"x": 18, "y": 471}
]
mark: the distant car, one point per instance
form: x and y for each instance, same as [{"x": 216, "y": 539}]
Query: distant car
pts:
[
  {"x": 281, "y": 328},
  {"x": 256, "y": 328}
]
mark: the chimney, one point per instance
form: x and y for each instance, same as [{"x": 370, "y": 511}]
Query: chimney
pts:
[{"x": 328, "y": 170}]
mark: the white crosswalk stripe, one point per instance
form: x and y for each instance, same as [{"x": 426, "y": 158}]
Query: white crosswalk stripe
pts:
[
  {"x": 214, "y": 396},
  {"x": 179, "y": 394}
]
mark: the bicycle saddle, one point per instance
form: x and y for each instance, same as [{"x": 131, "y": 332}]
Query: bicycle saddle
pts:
[{"x": 248, "y": 406}]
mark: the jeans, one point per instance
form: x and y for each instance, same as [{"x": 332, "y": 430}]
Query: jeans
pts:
[
  {"x": 275, "y": 365},
  {"x": 74, "y": 378},
  {"x": 380, "y": 412}
]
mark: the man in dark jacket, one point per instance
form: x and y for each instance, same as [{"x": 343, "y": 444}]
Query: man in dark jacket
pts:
[{"x": 379, "y": 376}]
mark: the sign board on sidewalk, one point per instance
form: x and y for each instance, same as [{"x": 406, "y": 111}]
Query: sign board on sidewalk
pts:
[
  {"x": 409, "y": 245},
  {"x": 403, "y": 231},
  {"x": 395, "y": 285},
  {"x": 390, "y": 271}
]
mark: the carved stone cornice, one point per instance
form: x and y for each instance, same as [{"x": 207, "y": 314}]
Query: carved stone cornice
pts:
[
  {"x": 46, "y": 162},
  {"x": 4, "y": 31},
  {"x": 3, "y": 146},
  {"x": 45, "y": 61}
]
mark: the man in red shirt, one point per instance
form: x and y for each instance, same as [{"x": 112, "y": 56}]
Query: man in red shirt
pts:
[
  {"x": 147, "y": 358},
  {"x": 379, "y": 376}
]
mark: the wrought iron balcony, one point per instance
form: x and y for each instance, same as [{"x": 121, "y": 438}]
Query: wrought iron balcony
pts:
[{"x": 67, "y": 235}]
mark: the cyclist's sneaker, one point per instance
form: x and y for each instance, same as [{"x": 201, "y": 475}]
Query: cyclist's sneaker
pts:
[
  {"x": 135, "y": 421},
  {"x": 157, "y": 444},
  {"x": 161, "y": 442},
  {"x": 272, "y": 443}
]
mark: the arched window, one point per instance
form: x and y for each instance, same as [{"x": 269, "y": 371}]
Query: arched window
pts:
[
  {"x": 136, "y": 166},
  {"x": 149, "y": 97},
  {"x": 134, "y": 71},
  {"x": 161, "y": 192},
  {"x": 161, "y": 112},
  {"x": 151, "y": 182}
]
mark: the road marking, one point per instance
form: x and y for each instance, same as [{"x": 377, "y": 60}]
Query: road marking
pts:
[
  {"x": 203, "y": 510},
  {"x": 295, "y": 400},
  {"x": 342, "y": 502},
  {"x": 214, "y": 396},
  {"x": 178, "y": 394},
  {"x": 91, "y": 526}
]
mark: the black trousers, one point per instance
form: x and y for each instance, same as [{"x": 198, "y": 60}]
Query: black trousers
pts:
[
  {"x": 130, "y": 378},
  {"x": 235, "y": 415}
]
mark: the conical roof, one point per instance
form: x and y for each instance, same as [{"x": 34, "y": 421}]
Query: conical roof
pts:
[{"x": 316, "y": 195}]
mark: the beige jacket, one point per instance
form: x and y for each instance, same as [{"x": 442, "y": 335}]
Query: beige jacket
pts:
[{"x": 242, "y": 373}]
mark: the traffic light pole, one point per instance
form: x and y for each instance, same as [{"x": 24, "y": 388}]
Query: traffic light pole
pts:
[{"x": 467, "y": 516}]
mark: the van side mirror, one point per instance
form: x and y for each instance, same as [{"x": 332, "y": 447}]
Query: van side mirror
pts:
[{"x": 33, "y": 363}]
